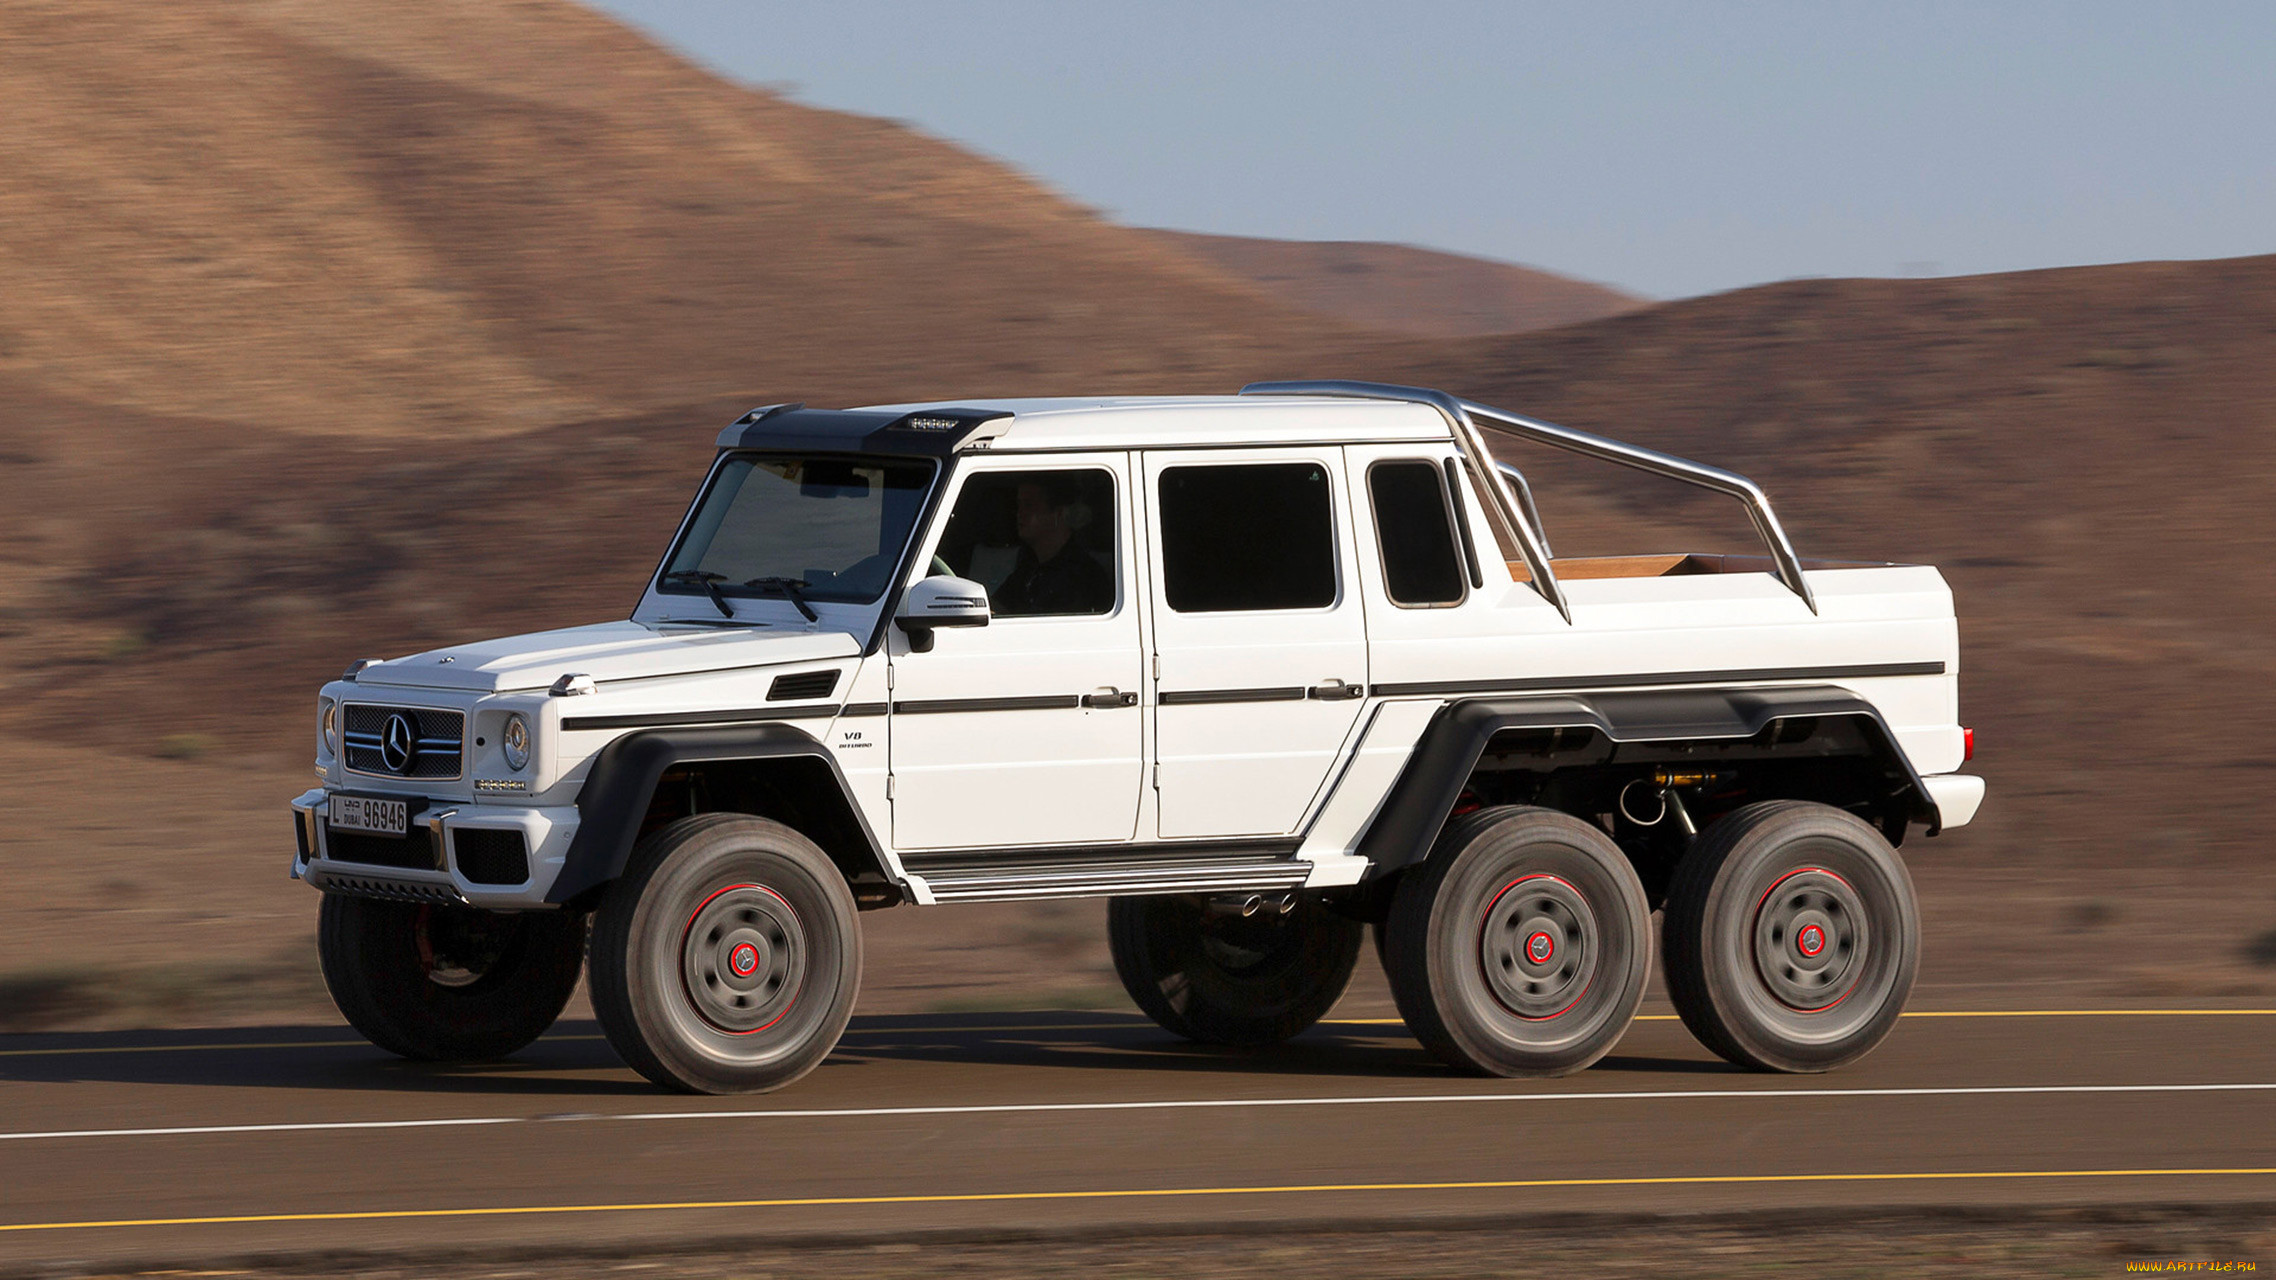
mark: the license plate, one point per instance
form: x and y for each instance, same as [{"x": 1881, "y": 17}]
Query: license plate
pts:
[{"x": 368, "y": 813}]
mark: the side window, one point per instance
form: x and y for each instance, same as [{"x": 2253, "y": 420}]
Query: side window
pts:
[
  {"x": 1042, "y": 542},
  {"x": 1248, "y": 536},
  {"x": 1415, "y": 527}
]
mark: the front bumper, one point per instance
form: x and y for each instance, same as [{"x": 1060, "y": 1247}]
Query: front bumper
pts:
[{"x": 444, "y": 860}]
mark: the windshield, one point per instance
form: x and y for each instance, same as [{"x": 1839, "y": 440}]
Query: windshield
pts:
[{"x": 835, "y": 526}]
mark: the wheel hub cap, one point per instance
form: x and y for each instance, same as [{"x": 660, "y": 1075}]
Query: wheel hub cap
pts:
[
  {"x": 1537, "y": 946},
  {"x": 743, "y": 958},
  {"x": 1810, "y": 939}
]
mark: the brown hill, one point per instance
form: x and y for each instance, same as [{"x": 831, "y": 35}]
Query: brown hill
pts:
[
  {"x": 2088, "y": 455},
  {"x": 521, "y": 235},
  {"x": 452, "y": 215},
  {"x": 1396, "y": 288}
]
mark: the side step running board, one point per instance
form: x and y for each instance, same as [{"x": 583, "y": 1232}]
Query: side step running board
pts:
[{"x": 1108, "y": 879}]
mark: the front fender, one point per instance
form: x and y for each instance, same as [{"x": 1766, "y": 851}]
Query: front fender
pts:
[{"x": 615, "y": 799}]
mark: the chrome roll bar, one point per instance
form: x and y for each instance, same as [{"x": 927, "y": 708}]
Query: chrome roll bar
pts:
[
  {"x": 1510, "y": 508},
  {"x": 1523, "y": 492}
]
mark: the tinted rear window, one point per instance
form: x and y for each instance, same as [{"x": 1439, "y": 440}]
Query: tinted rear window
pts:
[
  {"x": 1412, "y": 523},
  {"x": 1248, "y": 536}
]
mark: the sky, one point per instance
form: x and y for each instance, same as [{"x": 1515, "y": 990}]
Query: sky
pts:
[{"x": 1667, "y": 148}]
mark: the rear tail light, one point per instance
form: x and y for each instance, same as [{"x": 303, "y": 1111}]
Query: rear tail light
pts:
[{"x": 1967, "y": 745}]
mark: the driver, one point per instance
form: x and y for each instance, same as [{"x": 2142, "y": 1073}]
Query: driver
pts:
[{"x": 1054, "y": 574}]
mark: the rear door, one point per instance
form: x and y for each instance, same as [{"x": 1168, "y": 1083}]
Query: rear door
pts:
[{"x": 1259, "y": 639}]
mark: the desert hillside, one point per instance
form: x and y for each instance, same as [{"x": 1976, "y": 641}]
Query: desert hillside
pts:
[
  {"x": 1396, "y": 288},
  {"x": 443, "y": 216},
  {"x": 332, "y": 330}
]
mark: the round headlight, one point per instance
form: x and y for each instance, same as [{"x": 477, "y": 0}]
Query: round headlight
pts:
[
  {"x": 515, "y": 742},
  {"x": 327, "y": 727}
]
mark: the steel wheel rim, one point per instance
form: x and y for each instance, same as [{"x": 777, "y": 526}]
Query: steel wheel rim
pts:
[
  {"x": 1539, "y": 947},
  {"x": 744, "y": 957},
  {"x": 1812, "y": 942}
]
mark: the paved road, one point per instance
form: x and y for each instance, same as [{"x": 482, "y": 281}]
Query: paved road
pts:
[{"x": 299, "y": 1138}]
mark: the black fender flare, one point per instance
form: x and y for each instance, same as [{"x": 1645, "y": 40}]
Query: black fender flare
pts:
[
  {"x": 614, "y": 800},
  {"x": 1424, "y": 796}
]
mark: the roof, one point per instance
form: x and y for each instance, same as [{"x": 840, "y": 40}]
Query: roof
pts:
[{"x": 1123, "y": 422}]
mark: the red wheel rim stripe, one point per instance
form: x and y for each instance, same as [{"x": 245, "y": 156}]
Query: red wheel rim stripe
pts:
[
  {"x": 689, "y": 928},
  {"x": 1765, "y": 901},
  {"x": 1538, "y": 875}
]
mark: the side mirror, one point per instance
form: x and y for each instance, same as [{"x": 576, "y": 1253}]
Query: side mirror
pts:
[{"x": 941, "y": 601}]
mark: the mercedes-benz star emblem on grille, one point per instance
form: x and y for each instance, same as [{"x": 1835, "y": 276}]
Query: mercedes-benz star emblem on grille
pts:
[{"x": 399, "y": 746}]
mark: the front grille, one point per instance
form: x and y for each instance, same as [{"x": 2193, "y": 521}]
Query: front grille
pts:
[
  {"x": 490, "y": 857},
  {"x": 415, "y": 852},
  {"x": 437, "y": 741}
]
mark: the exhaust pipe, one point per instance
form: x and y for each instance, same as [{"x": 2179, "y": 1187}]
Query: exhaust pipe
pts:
[{"x": 1247, "y": 905}]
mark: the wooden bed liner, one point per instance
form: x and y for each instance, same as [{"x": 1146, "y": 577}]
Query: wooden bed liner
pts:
[{"x": 1669, "y": 566}]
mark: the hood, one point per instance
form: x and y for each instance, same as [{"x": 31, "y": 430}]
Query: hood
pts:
[{"x": 605, "y": 651}]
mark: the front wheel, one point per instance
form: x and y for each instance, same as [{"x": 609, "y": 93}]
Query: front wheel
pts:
[
  {"x": 1219, "y": 977},
  {"x": 1792, "y": 937},
  {"x": 727, "y": 958},
  {"x": 1521, "y": 947},
  {"x": 448, "y": 984}
]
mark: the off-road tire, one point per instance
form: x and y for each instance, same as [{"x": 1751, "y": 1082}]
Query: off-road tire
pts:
[
  {"x": 448, "y": 984},
  {"x": 1521, "y": 947},
  {"x": 1738, "y": 934},
  {"x": 727, "y": 958},
  {"x": 1227, "y": 979}
]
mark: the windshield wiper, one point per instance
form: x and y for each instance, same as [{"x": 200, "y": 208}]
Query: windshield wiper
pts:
[
  {"x": 709, "y": 581},
  {"x": 791, "y": 587}
]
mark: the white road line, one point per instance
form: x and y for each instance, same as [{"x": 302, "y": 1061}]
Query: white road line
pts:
[
  {"x": 1179, "y": 1104},
  {"x": 453, "y": 1123}
]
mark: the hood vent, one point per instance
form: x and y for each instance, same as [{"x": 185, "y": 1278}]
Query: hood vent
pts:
[{"x": 802, "y": 686}]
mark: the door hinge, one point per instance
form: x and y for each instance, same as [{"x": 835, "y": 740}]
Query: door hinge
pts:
[
  {"x": 1157, "y": 777},
  {"x": 1157, "y": 666},
  {"x": 889, "y": 786},
  {"x": 889, "y": 675}
]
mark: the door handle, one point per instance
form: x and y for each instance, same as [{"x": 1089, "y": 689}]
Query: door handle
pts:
[
  {"x": 1110, "y": 698},
  {"x": 1332, "y": 690}
]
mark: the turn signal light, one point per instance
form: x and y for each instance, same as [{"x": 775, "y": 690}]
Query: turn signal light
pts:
[{"x": 1967, "y": 745}]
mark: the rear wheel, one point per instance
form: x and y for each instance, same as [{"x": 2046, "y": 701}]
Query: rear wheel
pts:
[
  {"x": 1521, "y": 947},
  {"x": 727, "y": 958},
  {"x": 448, "y": 984},
  {"x": 1216, "y": 976},
  {"x": 1792, "y": 936}
]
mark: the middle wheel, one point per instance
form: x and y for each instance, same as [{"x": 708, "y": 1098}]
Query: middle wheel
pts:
[
  {"x": 1223, "y": 978},
  {"x": 1521, "y": 947}
]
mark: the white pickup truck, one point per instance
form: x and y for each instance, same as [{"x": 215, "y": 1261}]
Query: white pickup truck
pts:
[{"x": 1263, "y": 669}]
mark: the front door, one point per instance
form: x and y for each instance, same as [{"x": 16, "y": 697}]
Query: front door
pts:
[
  {"x": 1026, "y": 731},
  {"x": 1259, "y": 636}
]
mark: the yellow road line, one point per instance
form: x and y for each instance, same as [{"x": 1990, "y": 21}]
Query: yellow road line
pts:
[
  {"x": 1112, "y": 1026},
  {"x": 2094, "y": 1013},
  {"x": 1938, "y": 1013},
  {"x": 997, "y": 1197}
]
